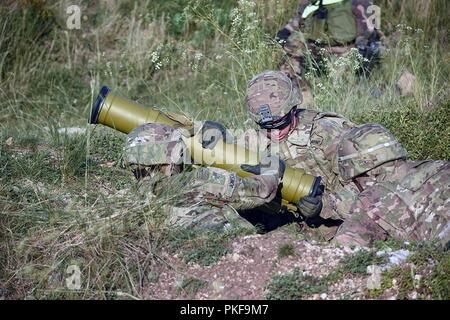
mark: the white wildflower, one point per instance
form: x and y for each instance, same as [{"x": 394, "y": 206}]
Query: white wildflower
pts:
[
  {"x": 154, "y": 56},
  {"x": 198, "y": 56}
]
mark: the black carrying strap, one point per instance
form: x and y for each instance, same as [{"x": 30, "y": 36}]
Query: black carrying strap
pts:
[
  {"x": 317, "y": 188},
  {"x": 322, "y": 12}
]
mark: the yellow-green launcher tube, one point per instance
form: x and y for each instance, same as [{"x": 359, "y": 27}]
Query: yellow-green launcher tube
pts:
[{"x": 124, "y": 115}]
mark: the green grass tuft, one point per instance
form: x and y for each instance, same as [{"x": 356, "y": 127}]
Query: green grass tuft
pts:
[
  {"x": 358, "y": 262},
  {"x": 190, "y": 286},
  {"x": 286, "y": 250},
  {"x": 202, "y": 247},
  {"x": 294, "y": 286}
]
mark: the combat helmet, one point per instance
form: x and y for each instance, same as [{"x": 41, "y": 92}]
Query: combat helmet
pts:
[
  {"x": 153, "y": 144},
  {"x": 365, "y": 147},
  {"x": 270, "y": 97}
]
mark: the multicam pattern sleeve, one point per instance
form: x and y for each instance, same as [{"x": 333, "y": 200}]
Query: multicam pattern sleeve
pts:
[
  {"x": 325, "y": 136},
  {"x": 338, "y": 205},
  {"x": 221, "y": 187},
  {"x": 312, "y": 145},
  {"x": 415, "y": 208}
]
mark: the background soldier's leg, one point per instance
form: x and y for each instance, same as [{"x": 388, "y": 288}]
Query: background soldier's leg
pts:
[{"x": 291, "y": 65}]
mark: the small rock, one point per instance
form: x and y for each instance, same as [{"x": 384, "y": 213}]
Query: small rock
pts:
[
  {"x": 217, "y": 286},
  {"x": 374, "y": 281},
  {"x": 405, "y": 84},
  {"x": 396, "y": 258},
  {"x": 108, "y": 164},
  {"x": 9, "y": 141},
  {"x": 320, "y": 260},
  {"x": 375, "y": 92},
  {"x": 323, "y": 296},
  {"x": 380, "y": 253},
  {"x": 417, "y": 279},
  {"x": 235, "y": 257},
  {"x": 348, "y": 250}
]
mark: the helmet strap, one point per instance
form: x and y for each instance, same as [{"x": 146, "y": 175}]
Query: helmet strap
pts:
[
  {"x": 265, "y": 113},
  {"x": 298, "y": 111}
]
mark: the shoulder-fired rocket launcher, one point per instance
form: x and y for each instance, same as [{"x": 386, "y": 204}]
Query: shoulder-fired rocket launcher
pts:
[{"x": 124, "y": 115}]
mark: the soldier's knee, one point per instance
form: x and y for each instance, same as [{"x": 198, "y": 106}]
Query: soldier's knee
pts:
[{"x": 347, "y": 240}]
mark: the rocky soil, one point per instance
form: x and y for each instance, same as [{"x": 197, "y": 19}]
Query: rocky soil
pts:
[{"x": 245, "y": 272}]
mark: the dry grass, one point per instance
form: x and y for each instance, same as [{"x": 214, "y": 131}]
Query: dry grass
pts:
[{"x": 67, "y": 201}]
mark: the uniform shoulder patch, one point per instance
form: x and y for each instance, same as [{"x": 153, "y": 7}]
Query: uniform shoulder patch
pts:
[{"x": 218, "y": 182}]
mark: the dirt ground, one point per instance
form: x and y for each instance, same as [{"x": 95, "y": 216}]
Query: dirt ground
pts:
[{"x": 248, "y": 268}]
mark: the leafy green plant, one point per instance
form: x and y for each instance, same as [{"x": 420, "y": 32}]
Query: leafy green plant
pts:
[
  {"x": 285, "y": 250},
  {"x": 204, "y": 248},
  {"x": 294, "y": 286},
  {"x": 190, "y": 286},
  {"x": 358, "y": 262}
]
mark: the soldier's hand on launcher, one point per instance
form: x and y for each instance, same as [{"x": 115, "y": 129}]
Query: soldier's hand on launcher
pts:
[
  {"x": 310, "y": 207},
  {"x": 212, "y": 132},
  {"x": 267, "y": 165}
]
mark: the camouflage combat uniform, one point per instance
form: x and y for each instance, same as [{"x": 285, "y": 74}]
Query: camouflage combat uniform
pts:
[
  {"x": 312, "y": 143},
  {"x": 407, "y": 200},
  {"x": 369, "y": 184},
  {"x": 344, "y": 28},
  {"x": 198, "y": 197}
]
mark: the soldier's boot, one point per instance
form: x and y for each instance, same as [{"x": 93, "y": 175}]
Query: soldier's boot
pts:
[
  {"x": 324, "y": 228},
  {"x": 218, "y": 219},
  {"x": 235, "y": 220},
  {"x": 198, "y": 219},
  {"x": 292, "y": 64},
  {"x": 210, "y": 220}
]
